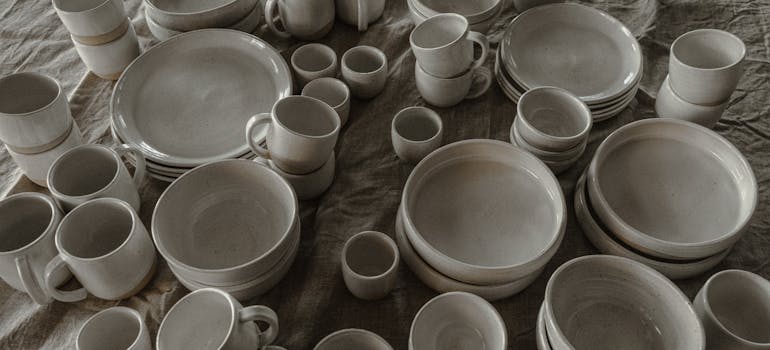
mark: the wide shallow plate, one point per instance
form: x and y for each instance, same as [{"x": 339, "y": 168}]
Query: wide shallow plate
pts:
[
  {"x": 185, "y": 101},
  {"x": 572, "y": 46}
]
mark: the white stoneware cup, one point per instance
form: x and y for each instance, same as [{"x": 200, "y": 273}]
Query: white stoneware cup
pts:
[
  {"x": 313, "y": 61},
  {"x": 415, "y": 132},
  {"x": 553, "y": 119},
  {"x": 734, "y": 307},
  {"x": 447, "y": 92},
  {"x": 523, "y": 5},
  {"x": 302, "y": 133},
  {"x": 360, "y": 13},
  {"x": 34, "y": 113},
  {"x": 705, "y": 65},
  {"x": 458, "y": 320},
  {"x": 94, "y": 171},
  {"x": 106, "y": 246},
  {"x": 110, "y": 59},
  {"x": 443, "y": 45},
  {"x": 92, "y": 22},
  {"x": 28, "y": 223},
  {"x": 332, "y": 91},
  {"x": 310, "y": 185},
  {"x": 213, "y": 319},
  {"x": 117, "y": 327},
  {"x": 305, "y": 19},
  {"x": 36, "y": 165},
  {"x": 353, "y": 338},
  {"x": 669, "y": 105},
  {"x": 370, "y": 265},
  {"x": 365, "y": 70}
]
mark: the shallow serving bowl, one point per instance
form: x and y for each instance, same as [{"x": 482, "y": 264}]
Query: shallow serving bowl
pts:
[
  {"x": 483, "y": 211},
  {"x": 186, "y": 15},
  {"x": 672, "y": 189}
]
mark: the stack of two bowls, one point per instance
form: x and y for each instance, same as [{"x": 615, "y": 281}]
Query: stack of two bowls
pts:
[
  {"x": 480, "y": 216},
  {"x": 167, "y": 18},
  {"x": 481, "y": 15},
  {"x": 667, "y": 193}
]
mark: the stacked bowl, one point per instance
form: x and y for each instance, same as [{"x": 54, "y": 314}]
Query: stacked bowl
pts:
[
  {"x": 480, "y": 216},
  {"x": 167, "y": 18},
  {"x": 574, "y": 47},
  {"x": 670, "y": 194},
  {"x": 481, "y": 15}
]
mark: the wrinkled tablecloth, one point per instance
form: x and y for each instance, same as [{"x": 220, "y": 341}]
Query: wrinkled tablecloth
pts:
[{"x": 311, "y": 300}]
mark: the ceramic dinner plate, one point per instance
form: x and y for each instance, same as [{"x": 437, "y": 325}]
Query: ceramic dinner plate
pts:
[
  {"x": 572, "y": 46},
  {"x": 185, "y": 101}
]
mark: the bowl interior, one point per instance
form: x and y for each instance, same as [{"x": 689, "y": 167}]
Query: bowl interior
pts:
[
  {"x": 742, "y": 305},
  {"x": 353, "y": 339},
  {"x": 457, "y": 321},
  {"x": 111, "y": 329},
  {"x": 708, "y": 49},
  {"x": 554, "y": 113},
  {"x": 464, "y": 7},
  {"x": 370, "y": 256},
  {"x": 200, "y": 319},
  {"x": 26, "y": 93}
]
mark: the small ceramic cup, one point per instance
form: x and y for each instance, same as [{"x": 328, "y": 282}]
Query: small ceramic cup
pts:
[
  {"x": 734, "y": 307},
  {"x": 359, "y": 13},
  {"x": 669, "y": 105},
  {"x": 36, "y": 165},
  {"x": 365, "y": 70},
  {"x": 416, "y": 132},
  {"x": 117, "y": 327},
  {"x": 306, "y": 20},
  {"x": 28, "y": 223},
  {"x": 443, "y": 45},
  {"x": 106, "y": 246},
  {"x": 94, "y": 171},
  {"x": 447, "y": 92},
  {"x": 705, "y": 65},
  {"x": 332, "y": 91},
  {"x": 553, "y": 119},
  {"x": 313, "y": 61},
  {"x": 353, "y": 338},
  {"x": 211, "y": 316},
  {"x": 311, "y": 185},
  {"x": 93, "y": 22},
  {"x": 523, "y": 5},
  {"x": 34, "y": 113},
  {"x": 302, "y": 133},
  {"x": 370, "y": 265},
  {"x": 110, "y": 59}
]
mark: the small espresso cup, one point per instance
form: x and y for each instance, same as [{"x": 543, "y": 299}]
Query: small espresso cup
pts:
[
  {"x": 353, "y": 338},
  {"x": 705, "y": 66},
  {"x": 332, "y": 91},
  {"x": 302, "y": 133},
  {"x": 305, "y": 19},
  {"x": 734, "y": 307},
  {"x": 365, "y": 70},
  {"x": 94, "y": 171},
  {"x": 443, "y": 45},
  {"x": 447, "y": 92},
  {"x": 415, "y": 133},
  {"x": 211, "y": 316},
  {"x": 92, "y": 22},
  {"x": 106, "y": 246},
  {"x": 28, "y": 223},
  {"x": 370, "y": 265},
  {"x": 117, "y": 327},
  {"x": 360, "y": 13},
  {"x": 313, "y": 61},
  {"x": 110, "y": 59}
]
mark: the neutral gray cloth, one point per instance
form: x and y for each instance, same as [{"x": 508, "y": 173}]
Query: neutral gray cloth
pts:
[{"x": 312, "y": 300}]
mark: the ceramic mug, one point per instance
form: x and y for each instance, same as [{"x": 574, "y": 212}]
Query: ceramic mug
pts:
[
  {"x": 416, "y": 132},
  {"x": 211, "y": 316},
  {"x": 94, "y": 171},
  {"x": 34, "y": 113},
  {"x": 28, "y": 223},
  {"x": 447, "y": 92},
  {"x": 106, "y": 246},
  {"x": 36, "y": 166},
  {"x": 117, "y": 327},
  {"x": 109, "y": 60},
  {"x": 365, "y": 70},
  {"x": 302, "y": 133},
  {"x": 669, "y": 105},
  {"x": 93, "y": 22},
  {"x": 370, "y": 265},
  {"x": 305, "y": 19},
  {"x": 360, "y": 13},
  {"x": 332, "y": 91},
  {"x": 311, "y": 185},
  {"x": 353, "y": 338},
  {"x": 313, "y": 61},
  {"x": 443, "y": 45}
]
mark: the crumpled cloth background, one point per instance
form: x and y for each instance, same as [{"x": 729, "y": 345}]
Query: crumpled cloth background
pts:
[{"x": 312, "y": 300}]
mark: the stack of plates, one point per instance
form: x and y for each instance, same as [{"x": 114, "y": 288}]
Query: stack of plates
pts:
[
  {"x": 185, "y": 101},
  {"x": 574, "y": 47},
  {"x": 167, "y": 18},
  {"x": 480, "y": 216},
  {"x": 670, "y": 194},
  {"x": 481, "y": 14}
]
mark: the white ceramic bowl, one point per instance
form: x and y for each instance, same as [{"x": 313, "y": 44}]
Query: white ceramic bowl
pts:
[
  {"x": 551, "y": 156},
  {"x": 186, "y": 15},
  {"x": 672, "y": 189},
  {"x": 620, "y": 304},
  {"x": 352, "y": 338},
  {"x": 669, "y": 105},
  {"x": 36, "y": 166},
  {"x": 311, "y": 185},
  {"x": 482, "y": 26},
  {"x": 552, "y": 119},
  {"x": 474, "y": 11}
]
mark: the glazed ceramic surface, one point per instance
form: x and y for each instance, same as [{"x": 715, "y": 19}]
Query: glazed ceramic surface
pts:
[
  {"x": 443, "y": 45},
  {"x": 311, "y": 185},
  {"x": 669, "y": 105},
  {"x": 359, "y": 13},
  {"x": 523, "y": 5},
  {"x": 332, "y": 91},
  {"x": 90, "y": 18},
  {"x": 353, "y": 339},
  {"x": 416, "y": 132},
  {"x": 186, "y": 15},
  {"x": 365, "y": 70},
  {"x": 553, "y": 119},
  {"x": 370, "y": 265},
  {"x": 117, "y": 328},
  {"x": 540, "y": 332},
  {"x": 246, "y": 24},
  {"x": 36, "y": 166},
  {"x": 484, "y": 211},
  {"x": 476, "y": 25},
  {"x": 685, "y": 193},
  {"x": 191, "y": 109},
  {"x": 447, "y": 92},
  {"x": 305, "y": 19},
  {"x": 110, "y": 59},
  {"x": 313, "y": 61},
  {"x": 571, "y": 154},
  {"x": 474, "y": 11}
]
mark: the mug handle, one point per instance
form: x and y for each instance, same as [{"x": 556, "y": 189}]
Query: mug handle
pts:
[
  {"x": 270, "y": 7},
  {"x": 66, "y": 296},
  {"x": 140, "y": 170},
  {"x": 264, "y": 314},
  {"x": 30, "y": 283},
  {"x": 482, "y": 80},
  {"x": 480, "y": 39},
  {"x": 363, "y": 17},
  {"x": 256, "y": 144}
]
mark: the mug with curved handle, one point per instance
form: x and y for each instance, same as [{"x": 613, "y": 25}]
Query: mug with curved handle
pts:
[
  {"x": 140, "y": 166},
  {"x": 443, "y": 92},
  {"x": 256, "y": 142},
  {"x": 444, "y": 45},
  {"x": 264, "y": 314},
  {"x": 483, "y": 42},
  {"x": 29, "y": 281},
  {"x": 61, "y": 295},
  {"x": 304, "y": 19},
  {"x": 271, "y": 17}
]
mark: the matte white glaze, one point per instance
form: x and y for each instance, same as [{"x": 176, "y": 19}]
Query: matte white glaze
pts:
[
  {"x": 369, "y": 263},
  {"x": 540, "y": 332},
  {"x": 553, "y": 119},
  {"x": 311, "y": 185},
  {"x": 443, "y": 45},
  {"x": 313, "y": 61},
  {"x": 523, "y": 5},
  {"x": 117, "y": 327},
  {"x": 447, "y": 92},
  {"x": 365, "y": 71},
  {"x": 187, "y": 15},
  {"x": 415, "y": 132},
  {"x": 477, "y": 25},
  {"x": 353, "y": 339},
  {"x": 307, "y": 20},
  {"x": 669, "y": 105},
  {"x": 359, "y": 13},
  {"x": 36, "y": 166},
  {"x": 89, "y": 18},
  {"x": 246, "y": 24},
  {"x": 332, "y": 91},
  {"x": 109, "y": 60},
  {"x": 474, "y": 11}
]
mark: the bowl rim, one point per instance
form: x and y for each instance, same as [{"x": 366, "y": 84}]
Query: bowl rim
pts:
[
  {"x": 702, "y": 31},
  {"x": 152, "y": 7},
  {"x": 561, "y": 94}
]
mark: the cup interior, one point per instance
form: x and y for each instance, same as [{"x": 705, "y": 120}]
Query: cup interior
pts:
[
  {"x": 439, "y": 31},
  {"x": 554, "y": 112},
  {"x": 22, "y": 221},
  {"x": 84, "y": 170},
  {"x": 110, "y": 329},
  {"x": 364, "y": 60},
  {"x": 352, "y": 339},
  {"x": 708, "y": 49},
  {"x": 741, "y": 304},
  {"x": 306, "y": 116},
  {"x": 78, "y": 5},
  {"x": 417, "y": 125},
  {"x": 313, "y": 57},
  {"x": 198, "y": 319},
  {"x": 27, "y": 92},
  {"x": 370, "y": 255},
  {"x": 331, "y": 91},
  {"x": 457, "y": 321},
  {"x": 95, "y": 229}
]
